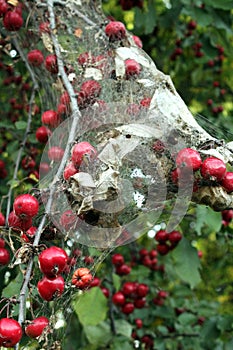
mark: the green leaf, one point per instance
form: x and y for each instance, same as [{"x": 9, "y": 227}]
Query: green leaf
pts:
[
  {"x": 21, "y": 125},
  {"x": 187, "y": 319},
  {"x": 220, "y": 4},
  {"x": 118, "y": 344},
  {"x": 209, "y": 332},
  {"x": 13, "y": 287},
  {"x": 139, "y": 273},
  {"x": 187, "y": 263},
  {"x": 116, "y": 281},
  {"x": 124, "y": 328},
  {"x": 91, "y": 307},
  {"x": 99, "y": 335},
  {"x": 150, "y": 18},
  {"x": 208, "y": 218}
]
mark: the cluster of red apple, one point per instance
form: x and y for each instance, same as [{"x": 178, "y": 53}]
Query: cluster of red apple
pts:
[
  {"x": 12, "y": 15},
  {"x": 211, "y": 169}
]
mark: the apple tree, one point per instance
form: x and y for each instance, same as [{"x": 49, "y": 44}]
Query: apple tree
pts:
[{"x": 116, "y": 174}]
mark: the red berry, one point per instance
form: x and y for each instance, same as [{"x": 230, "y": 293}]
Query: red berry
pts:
[
  {"x": 55, "y": 153},
  {"x": 123, "y": 270},
  {"x": 115, "y": 30},
  {"x": 85, "y": 58},
  {"x": 163, "y": 248},
  {"x": 82, "y": 278},
  {"x": 129, "y": 288},
  {"x": 140, "y": 303},
  {"x": 132, "y": 68},
  {"x": 138, "y": 323},
  {"x": 51, "y": 288},
  {"x": 10, "y": 332},
  {"x": 227, "y": 215},
  {"x": 12, "y": 21},
  {"x": 4, "y": 256},
  {"x": 51, "y": 64},
  {"x": 190, "y": 158},
  {"x": 95, "y": 282},
  {"x": 3, "y": 7},
  {"x": 28, "y": 163},
  {"x": 227, "y": 181},
  {"x": 2, "y": 219},
  {"x": 105, "y": 292},
  {"x": 174, "y": 237},
  {"x": 50, "y": 118},
  {"x": 36, "y": 327},
  {"x": 68, "y": 219},
  {"x": 52, "y": 261},
  {"x": 192, "y": 24},
  {"x": 82, "y": 150},
  {"x": 118, "y": 298},
  {"x": 42, "y": 134},
  {"x": 25, "y": 206},
  {"x": 35, "y": 58},
  {"x": 161, "y": 236},
  {"x": 137, "y": 41},
  {"x": 29, "y": 234},
  {"x": 15, "y": 222},
  {"x": 88, "y": 93},
  {"x": 142, "y": 290},
  {"x": 213, "y": 169},
  {"x": 69, "y": 171},
  {"x": 145, "y": 102},
  {"x": 162, "y": 294},
  {"x": 44, "y": 27},
  {"x": 118, "y": 259},
  {"x": 128, "y": 308},
  {"x": 44, "y": 168}
]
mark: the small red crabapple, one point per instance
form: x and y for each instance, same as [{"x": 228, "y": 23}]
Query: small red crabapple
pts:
[
  {"x": 55, "y": 153},
  {"x": 50, "y": 288},
  {"x": 190, "y": 158},
  {"x": 227, "y": 181},
  {"x": 123, "y": 270},
  {"x": 161, "y": 236},
  {"x": 163, "y": 248},
  {"x": 4, "y": 256},
  {"x": 44, "y": 168},
  {"x": 35, "y": 58},
  {"x": 20, "y": 224},
  {"x": 52, "y": 261},
  {"x": 137, "y": 41},
  {"x": 139, "y": 323},
  {"x": 132, "y": 68},
  {"x": 42, "y": 134},
  {"x": 25, "y": 205},
  {"x": 128, "y": 308},
  {"x": 82, "y": 150},
  {"x": 145, "y": 102},
  {"x": 115, "y": 30},
  {"x": 69, "y": 171},
  {"x": 2, "y": 219},
  {"x": 68, "y": 219},
  {"x": 10, "y": 332},
  {"x": 50, "y": 118},
  {"x": 12, "y": 21},
  {"x": 213, "y": 169},
  {"x": 118, "y": 298},
  {"x": 51, "y": 64},
  {"x": 4, "y": 7},
  {"x": 117, "y": 259},
  {"x": 174, "y": 237},
  {"x": 36, "y": 327},
  {"x": 82, "y": 278}
]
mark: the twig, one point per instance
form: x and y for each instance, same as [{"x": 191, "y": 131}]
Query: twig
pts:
[
  {"x": 29, "y": 121},
  {"x": 52, "y": 187}
]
